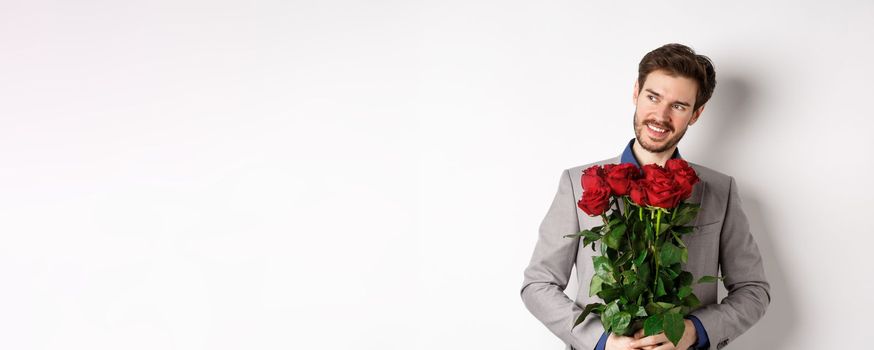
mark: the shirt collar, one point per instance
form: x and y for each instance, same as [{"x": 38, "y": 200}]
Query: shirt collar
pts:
[{"x": 628, "y": 154}]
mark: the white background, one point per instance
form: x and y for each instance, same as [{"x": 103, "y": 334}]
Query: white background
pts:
[{"x": 371, "y": 175}]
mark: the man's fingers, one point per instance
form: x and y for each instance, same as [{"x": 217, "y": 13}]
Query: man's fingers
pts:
[
  {"x": 666, "y": 346},
  {"x": 638, "y": 334},
  {"x": 650, "y": 340},
  {"x": 648, "y": 347}
]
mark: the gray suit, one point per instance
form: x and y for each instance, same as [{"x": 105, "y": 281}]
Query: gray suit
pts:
[{"x": 723, "y": 239}]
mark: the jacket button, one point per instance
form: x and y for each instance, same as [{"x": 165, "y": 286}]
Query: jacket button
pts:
[{"x": 722, "y": 344}]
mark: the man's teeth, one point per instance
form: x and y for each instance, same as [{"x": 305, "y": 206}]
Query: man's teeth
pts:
[{"x": 655, "y": 128}]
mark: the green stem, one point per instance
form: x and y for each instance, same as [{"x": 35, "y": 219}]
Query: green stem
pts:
[{"x": 658, "y": 222}]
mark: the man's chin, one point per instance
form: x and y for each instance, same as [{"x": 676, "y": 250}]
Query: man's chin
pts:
[{"x": 659, "y": 147}]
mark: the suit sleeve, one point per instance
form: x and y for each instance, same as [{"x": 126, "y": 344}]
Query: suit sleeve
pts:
[
  {"x": 547, "y": 274},
  {"x": 741, "y": 264}
]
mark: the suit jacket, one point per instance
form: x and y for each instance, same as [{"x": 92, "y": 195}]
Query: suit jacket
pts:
[{"x": 722, "y": 239}]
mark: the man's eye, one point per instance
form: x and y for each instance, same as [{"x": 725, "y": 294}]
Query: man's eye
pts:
[
  {"x": 679, "y": 107},
  {"x": 651, "y": 98}
]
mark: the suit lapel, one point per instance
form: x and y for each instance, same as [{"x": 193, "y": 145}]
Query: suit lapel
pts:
[{"x": 699, "y": 192}]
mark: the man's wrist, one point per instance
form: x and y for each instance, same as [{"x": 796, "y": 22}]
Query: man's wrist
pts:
[{"x": 701, "y": 339}]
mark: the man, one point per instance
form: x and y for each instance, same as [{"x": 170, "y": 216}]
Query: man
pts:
[{"x": 672, "y": 87}]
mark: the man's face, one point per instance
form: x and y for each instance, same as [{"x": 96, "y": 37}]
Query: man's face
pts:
[{"x": 663, "y": 110}]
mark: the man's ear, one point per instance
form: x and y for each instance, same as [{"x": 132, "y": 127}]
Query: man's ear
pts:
[
  {"x": 696, "y": 114},
  {"x": 636, "y": 91}
]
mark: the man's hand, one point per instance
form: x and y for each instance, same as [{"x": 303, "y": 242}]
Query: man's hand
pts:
[
  {"x": 618, "y": 342},
  {"x": 661, "y": 342}
]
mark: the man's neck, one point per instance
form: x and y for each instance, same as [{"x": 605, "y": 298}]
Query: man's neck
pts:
[{"x": 646, "y": 157}]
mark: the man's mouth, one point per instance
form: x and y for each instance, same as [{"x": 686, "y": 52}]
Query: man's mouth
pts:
[{"x": 655, "y": 130}]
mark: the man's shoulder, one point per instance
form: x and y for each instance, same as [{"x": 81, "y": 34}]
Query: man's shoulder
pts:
[{"x": 711, "y": 176}]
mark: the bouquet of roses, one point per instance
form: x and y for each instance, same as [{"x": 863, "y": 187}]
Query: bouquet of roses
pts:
[{"x": 639, "y": 274}]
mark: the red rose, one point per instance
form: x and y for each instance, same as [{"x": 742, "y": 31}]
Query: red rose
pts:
[
  {"x": 638, "y": 194},
  {"x": 595, "y": 202},
  {"x": 593, "y": 176},
  {"x": 619, "y": 177},
  {"x": 684, "y": 175},
  {"x": 661, "y": 188},
  {"x": 596, "y": 191}
]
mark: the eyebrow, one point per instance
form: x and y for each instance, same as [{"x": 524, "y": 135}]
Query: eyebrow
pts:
[{"x": 659, "y": 95}]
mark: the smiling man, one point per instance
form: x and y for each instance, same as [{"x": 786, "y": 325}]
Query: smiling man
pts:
[{"x": 672, "y": 87}]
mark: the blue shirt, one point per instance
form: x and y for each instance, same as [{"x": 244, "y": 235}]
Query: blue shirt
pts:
[{"x": 703, "y": 340}]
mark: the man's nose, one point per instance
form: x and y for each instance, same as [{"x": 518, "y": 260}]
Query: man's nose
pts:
[{"x": 664, "y": 112}]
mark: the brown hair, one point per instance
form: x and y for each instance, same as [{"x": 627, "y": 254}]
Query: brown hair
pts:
[{"x": 678, "y": 59}]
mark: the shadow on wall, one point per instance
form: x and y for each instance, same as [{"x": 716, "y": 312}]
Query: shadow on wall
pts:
[
  {"x": 730, "y": 118},
  {"x": 779, "y": 322}
]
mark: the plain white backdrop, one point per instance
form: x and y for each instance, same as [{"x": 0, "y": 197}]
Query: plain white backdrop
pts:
[{"x": 372, "y": 174}]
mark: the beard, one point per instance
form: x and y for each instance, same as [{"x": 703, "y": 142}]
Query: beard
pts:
[{"x": 652, "y": 147}]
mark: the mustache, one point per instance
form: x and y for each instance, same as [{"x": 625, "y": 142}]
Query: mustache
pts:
[{"x": 660, "y": 126}]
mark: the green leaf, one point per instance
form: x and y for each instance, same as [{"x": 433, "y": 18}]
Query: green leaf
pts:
[
  {"x": 641, "y": 312},
  {"x": 685, "y": 214},
  {"x": 648, "y": 232},
  {"x": 595, "y": 285},
  {"x": 608, "y": 314},
  {"x": 666, "y": 281},
  {"x": 635, "y": 291},
  {"x": 629, "y": 277},
  {"x": 653, "y": 325},
  {"x": 683, "y": 292},
  {"x": 639, "y": 245},
  {"x": 644, "y": 274},
  {"x": 691, "y": 301},
  {"x": 614, "y": 238},
  {"x": 644, "y": 281},
  {"x": 588, "y": 309},
  {"x": 624, "y": 259},
  {"x": 652, "y": 308},
  {"x": 632, "y": 309},
  {"x": 590, "y": 237},
  {"x": 708, "y": 279},
  {"x": 637, "y": 226},
  {"x": 683, "y": 230},
  {"x": 620, "y": 322},
  {"x": 640, "y": 256},
  {"x": 578, "y": 234},
  {"x": 674, "y": 327},
  {"x": 664, "y": 227},
  {"x": 670, "y": 254},
  {"x": 671, "y": 273},
  {"x": 604, "y": 268},
  {"x": 685, "y": 279},
  {"x": 665, "y": 306},
  {"x": 660, "y": 287},
  {"x": 610, "y": 293}
]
